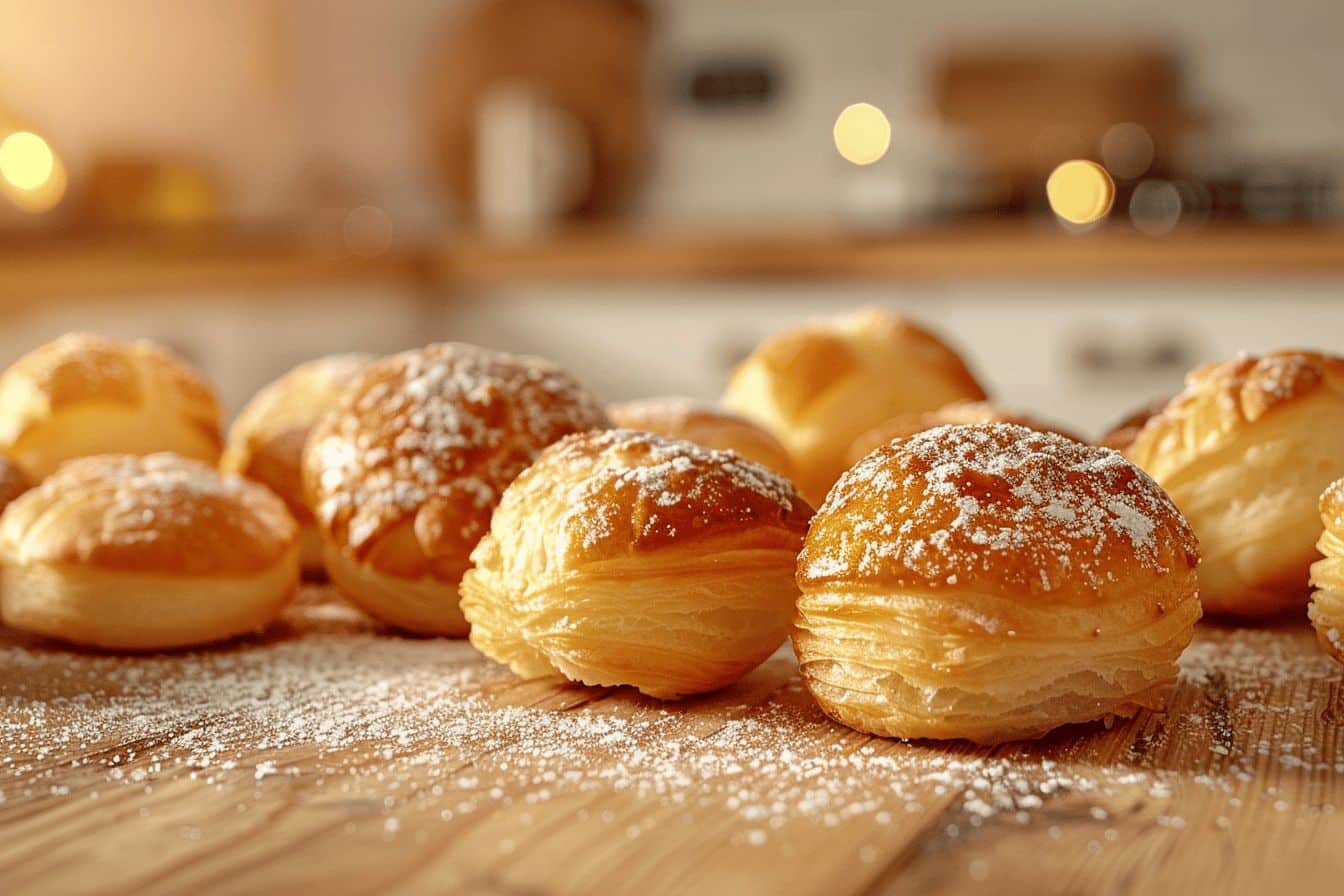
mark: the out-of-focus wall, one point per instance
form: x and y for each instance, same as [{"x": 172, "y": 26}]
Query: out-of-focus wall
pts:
[{"x": 281, "y": 94}]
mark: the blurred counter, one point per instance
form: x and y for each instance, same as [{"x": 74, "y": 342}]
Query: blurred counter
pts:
[
  {"x": 980, "y": 252},
  {"x": 43, "y": 272}
]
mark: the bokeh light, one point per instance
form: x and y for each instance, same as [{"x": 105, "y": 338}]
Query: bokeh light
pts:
[
  {"x": 26, "y": 161},
  {"x": 1080, "y": 191},
  {"x": 1156, "y": 207},
  {"x": 862, "y": 133}
]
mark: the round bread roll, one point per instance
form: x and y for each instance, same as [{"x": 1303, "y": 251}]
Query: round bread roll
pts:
[
  {"x": 992, "y": 582},
  {"x": 1327, "y": 575},
  {"x": 624, "y": 558},
  {"x": 145, "y": 553},
  {"x": 12, "y": 482},
  {"x": 821, "y": 385},
  {"x": 1245, "y": 452},
  {"x": 405, "y": 471},
  {"x": 1122, "y": 433},
  {"x": 965, "y": 412},
  {"x": 704, "y": 424},
  {"x": 83, "y": 394},
  {"x": 266, "y": 440}
]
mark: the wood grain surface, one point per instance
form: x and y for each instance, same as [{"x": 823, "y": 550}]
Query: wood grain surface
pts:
[{"x": 330, "y": 757}]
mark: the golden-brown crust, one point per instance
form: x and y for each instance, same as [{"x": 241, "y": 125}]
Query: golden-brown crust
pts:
[
  {"x": 959, "y": 412},
  {"x": 991, "y": 582},
  {"x": 619, "y": 493},
  {"x": 12, "y": 482},
  {"x": 704, "y": 424},
  {"x": 1326, "y": 609},
  {"x": 1121, "y": 434},
  {"x": 819, "y": 386},
  {"x": 158, "y": 514},
  {"x": 1000, "y": 509},
  {"x": 266, "y": 440},
  {"x": 627, "y": 558},
  {"x": 1245, "y": 451},
  {"x": 81, "y": 370},
  {"x": 404, "y": 473}
]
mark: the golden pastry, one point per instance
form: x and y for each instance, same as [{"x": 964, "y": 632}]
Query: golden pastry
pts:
[
  {"x": 1327, "y": 574},
  {"x": 266, "y": 440},
  {"x": 83, "y": 395},
  {"x": 145, "y": 553},
  {"x": 1121, "y": 434},
  {"x": 821, "y": 385},
  {"x": 704, "y": 424},
  {"x": 1245, "y": 452},
  {"x": 625, "y": 558},
  {"x": 403, "y": 473},
  {"x": 905, "y": 425},
  {"x": 992, "y": 582}
]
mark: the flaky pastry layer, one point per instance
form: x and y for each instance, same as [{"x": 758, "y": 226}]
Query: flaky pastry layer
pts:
[
  {"x": 686, "y": 622},
  {"x": 127, "y": 610},
  {"x": 1250, "y": 489},
  {"x": 1326, "y": 609},
  {"x": 928, "y": 664}
]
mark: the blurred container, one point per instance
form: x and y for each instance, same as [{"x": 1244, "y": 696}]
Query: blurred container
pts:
[{"x": 149, "y": 194}]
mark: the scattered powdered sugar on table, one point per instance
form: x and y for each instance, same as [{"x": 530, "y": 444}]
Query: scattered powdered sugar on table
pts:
[
  {"x": 340, "y": 710},
  {"x": 951, "y": 499}
]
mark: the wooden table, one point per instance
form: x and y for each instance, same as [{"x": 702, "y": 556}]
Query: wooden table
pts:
[{"x": 329, "y": 757}]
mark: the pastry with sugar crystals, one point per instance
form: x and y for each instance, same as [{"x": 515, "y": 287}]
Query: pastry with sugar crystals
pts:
[
  {"x": 992, "y": 582},
  {"x": 404, "y": 472},
  {"x": 625, "y": 558},
  {"x": 145, "y": 553},
  {"x": 905, "y": 425}
]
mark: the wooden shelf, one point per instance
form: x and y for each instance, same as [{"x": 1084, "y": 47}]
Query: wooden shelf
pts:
[
  {"x": 100, "y": 270},
  {"x": 962, "y": 252},
  {"x": 97, "y": 270}
]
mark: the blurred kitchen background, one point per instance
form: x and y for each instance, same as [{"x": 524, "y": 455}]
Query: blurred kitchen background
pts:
[{"x": 642, "y": 190}]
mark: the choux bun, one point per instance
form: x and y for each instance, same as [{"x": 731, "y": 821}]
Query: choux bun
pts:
[
  {"x": 624, "y": 558},
  {"x": 708, "y": 425},
  {"x": 266, "y": 440},
  {"x": 83, "y": 394},
  {"x": 821, "y": 385},
  {"x": 1245, "y": 452},
  {"x": 992, "y": 582},
  {"x": 962, "y": 412},
  {"x": 404, "y": 472},
  {"x": 144, "y": 553},
  {"x": 1327, "y": 574}
]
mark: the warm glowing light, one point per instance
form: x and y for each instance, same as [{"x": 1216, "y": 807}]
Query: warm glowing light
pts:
[
  {"x": 862, "y": 133},
  {"x": 1080, "y": 191},
  {"x": 26, "y": 161}
]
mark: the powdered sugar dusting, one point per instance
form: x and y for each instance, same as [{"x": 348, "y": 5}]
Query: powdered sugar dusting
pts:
[
  {"x": 960, "y": 499},
  {"x": 618, "y": 479},
  {"x": 450, "y": 423}
]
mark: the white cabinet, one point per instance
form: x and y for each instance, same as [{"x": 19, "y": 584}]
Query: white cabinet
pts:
[{"x": 1080, "y": 354}]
